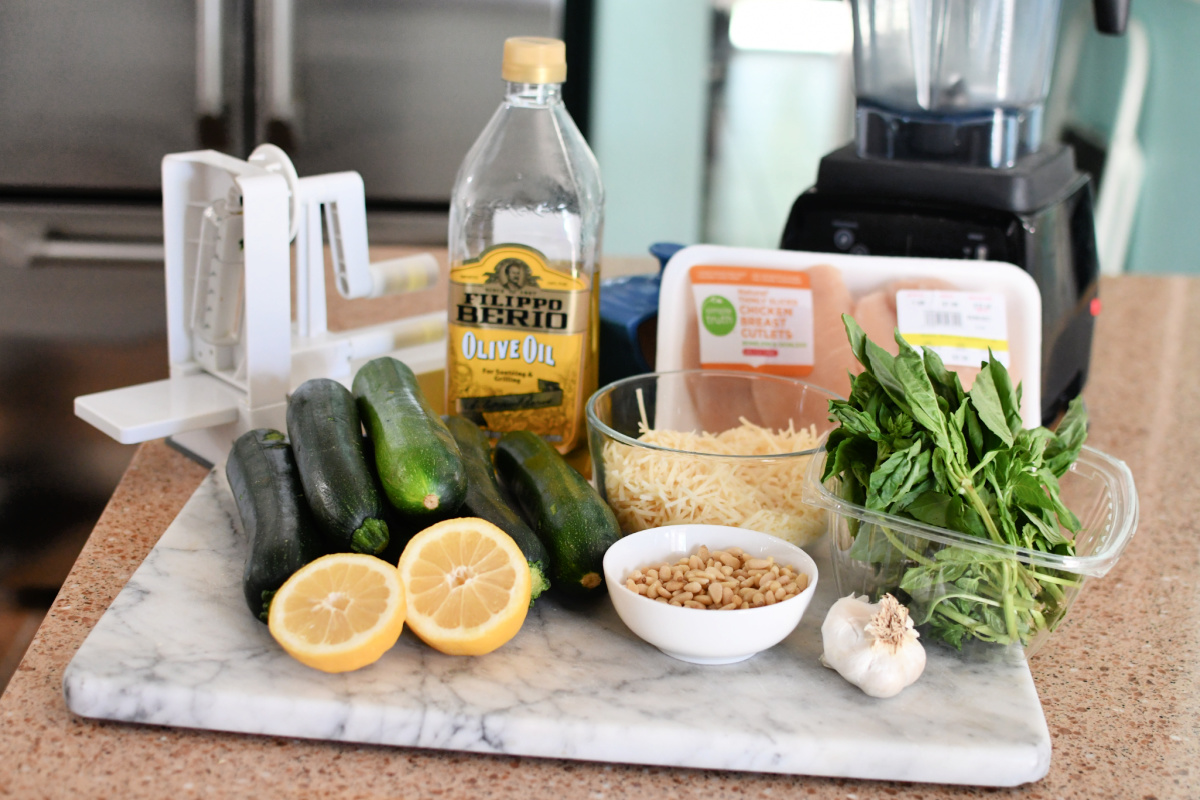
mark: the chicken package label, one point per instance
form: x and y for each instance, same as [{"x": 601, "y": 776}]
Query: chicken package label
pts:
[
  {"x": 517, "y": 339},
  {"x": 755, "y": 319},
  {"x": 959, "y": 326}
]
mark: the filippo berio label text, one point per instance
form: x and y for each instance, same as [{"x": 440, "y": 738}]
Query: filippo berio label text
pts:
[{"x": 517, "y": 336}]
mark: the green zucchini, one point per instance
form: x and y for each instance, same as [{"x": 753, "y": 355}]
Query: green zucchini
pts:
[
  {"x": 484, "y": 499},
  {"x": 275, "y": 516},
  {"x": 566, "y": 513},
  {"x": 417, "y": 460},
  {"x": 326, "y": 434}
]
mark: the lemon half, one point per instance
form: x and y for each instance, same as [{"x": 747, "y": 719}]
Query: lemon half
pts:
[{"x": 340, "y": 612}]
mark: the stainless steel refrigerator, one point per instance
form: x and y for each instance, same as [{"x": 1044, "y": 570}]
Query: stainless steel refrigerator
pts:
[{"x": 93, "y": 95}]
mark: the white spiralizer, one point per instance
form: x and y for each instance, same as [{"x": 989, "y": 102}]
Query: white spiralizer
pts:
[{"x": 233, "y": 348}]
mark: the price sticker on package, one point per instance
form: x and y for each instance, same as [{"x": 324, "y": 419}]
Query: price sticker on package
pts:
[
  {"x": 959, "y": 326},
  {"x": 755, "y": 319}
]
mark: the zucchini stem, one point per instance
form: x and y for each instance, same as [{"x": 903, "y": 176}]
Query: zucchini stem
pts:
[{"x": 371, "y": 537}]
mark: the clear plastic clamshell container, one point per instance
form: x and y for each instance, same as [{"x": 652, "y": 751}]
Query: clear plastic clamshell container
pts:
[{"x": 949, "y": 579}]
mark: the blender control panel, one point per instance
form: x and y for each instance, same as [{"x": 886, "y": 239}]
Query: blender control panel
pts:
[{"x": 929, "y": 232}]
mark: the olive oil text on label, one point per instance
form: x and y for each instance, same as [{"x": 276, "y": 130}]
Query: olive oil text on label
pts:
[
  {"x": 529, "y": 349},
  {"x": 518, "y": 338}
]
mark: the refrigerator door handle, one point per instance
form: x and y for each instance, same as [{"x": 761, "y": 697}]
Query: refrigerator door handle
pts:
[
  {"x": 212, "y": 115},
  {"x": 279, "y": 73},
  {"x": 31, "y": 247}
]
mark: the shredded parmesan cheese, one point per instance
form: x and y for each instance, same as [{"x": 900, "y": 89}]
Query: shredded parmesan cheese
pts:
[{"x": 648, "y": 488}]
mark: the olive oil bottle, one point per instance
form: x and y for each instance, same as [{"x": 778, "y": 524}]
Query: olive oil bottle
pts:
[{"x": 526, "y": 220}]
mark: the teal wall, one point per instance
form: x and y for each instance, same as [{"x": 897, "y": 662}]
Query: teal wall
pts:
[
  {"x": 649, "y": 119},
  {"x": 1166, "y": 229},
  {"x": 1166, "y": 234}
]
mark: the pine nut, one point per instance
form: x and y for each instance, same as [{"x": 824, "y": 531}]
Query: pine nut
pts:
[{"x": 717, "y": 579}]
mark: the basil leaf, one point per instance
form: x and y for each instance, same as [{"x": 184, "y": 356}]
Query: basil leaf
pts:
[
  {"x": 947, "y": 511},
  {"x": 862, "y": 387},
  {"x": 945, "y": 382},
  {"x": 941, "y": 473},
  {"x": 888, "y": 477},
  {"x": 858, "y": 339},
  {"x": 873, "y": 547},
  {"x": 918, "y": 472},
  {"x": 847, "y": 452},
  {"x": 973, "y": 430},
  {"x": 932, "y": 508},
  {"x": 1009, "y": 401},
  {"x": 1065, "y": 516},
  {"x": 987, "y": 402},
  {"x": 854, "y": 420},
  {"x": 1062, "y": 451},
  {"x": 958, "y": 441},
  {"x": 922, "y": 400},
  {"x": 1046, "y": 528}
]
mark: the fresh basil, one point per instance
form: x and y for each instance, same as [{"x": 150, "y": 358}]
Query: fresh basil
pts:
[{"x": 913, "y": 444}]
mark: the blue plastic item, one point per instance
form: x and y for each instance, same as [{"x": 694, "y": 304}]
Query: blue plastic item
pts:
[{"x": 629, "y": 319}]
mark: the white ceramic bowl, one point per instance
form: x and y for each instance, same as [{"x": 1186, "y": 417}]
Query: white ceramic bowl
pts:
[{"x": 704, "y": 636}]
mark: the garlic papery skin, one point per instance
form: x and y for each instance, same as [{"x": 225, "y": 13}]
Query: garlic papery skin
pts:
[{"x": 872, "y": 645}]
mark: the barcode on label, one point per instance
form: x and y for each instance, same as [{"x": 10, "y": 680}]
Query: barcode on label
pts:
[{"x": 943, "y": 319}]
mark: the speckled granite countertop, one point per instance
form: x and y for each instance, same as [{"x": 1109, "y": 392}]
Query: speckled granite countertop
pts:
[{"x": 1120, "y": 685}]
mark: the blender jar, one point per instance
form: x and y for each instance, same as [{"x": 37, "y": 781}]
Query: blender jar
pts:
[{"x": 961, "y": 81}]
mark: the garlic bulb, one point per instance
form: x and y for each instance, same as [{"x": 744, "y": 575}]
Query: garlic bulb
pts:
[{"x": 872, "y": 645}]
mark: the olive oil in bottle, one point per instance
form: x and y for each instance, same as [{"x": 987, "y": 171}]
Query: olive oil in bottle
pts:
[{"x": 526, "y": 219}]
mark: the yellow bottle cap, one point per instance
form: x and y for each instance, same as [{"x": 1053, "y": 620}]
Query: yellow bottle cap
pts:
[{"x": 534, "y": 59}]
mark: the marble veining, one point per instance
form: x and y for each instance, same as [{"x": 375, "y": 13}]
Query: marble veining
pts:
[{"x": 179, "y": 647}]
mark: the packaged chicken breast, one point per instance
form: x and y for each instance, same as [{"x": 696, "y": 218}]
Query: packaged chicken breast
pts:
[{"x": 780, "y": 312}]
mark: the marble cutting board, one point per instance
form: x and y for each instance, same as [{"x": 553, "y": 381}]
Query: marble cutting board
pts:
[{"x": 178, "y": 647}]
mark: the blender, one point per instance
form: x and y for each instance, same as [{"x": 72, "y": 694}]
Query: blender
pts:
[{"x": 948, "y": 160}]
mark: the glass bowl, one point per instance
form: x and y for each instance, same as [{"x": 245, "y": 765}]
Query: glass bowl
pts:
[
  {"x": 724, "y": 448},
  {"x": 949, "y": 579}
]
